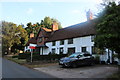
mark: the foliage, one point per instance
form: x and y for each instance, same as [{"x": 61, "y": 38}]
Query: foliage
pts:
[
  {"x": 108, "y": 29},
  {"x": 23, "y": 56},
  {"x": 12, "y": 34},
  {"x": 37, "y": 57},
  {"x": 97, "y": 59},
  {"x": 23, "y": 38},
  {"x": 15, "y": 56}
]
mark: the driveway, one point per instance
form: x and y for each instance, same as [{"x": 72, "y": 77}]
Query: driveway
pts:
[
  {"x": 13, "y": 70},
  {"x": 96, "y": 71}
]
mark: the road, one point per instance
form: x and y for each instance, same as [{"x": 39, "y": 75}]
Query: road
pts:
[{"x": 13, "y": 70}]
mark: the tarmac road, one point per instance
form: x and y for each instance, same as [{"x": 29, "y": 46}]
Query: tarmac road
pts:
[{"x": 13, "y": 70}]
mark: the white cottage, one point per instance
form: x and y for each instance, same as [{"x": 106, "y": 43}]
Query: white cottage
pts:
[{"x": 75, "y": 38}]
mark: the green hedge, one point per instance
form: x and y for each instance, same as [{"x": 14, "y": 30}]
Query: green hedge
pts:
[
  {"x": 37, "y": 56},
  {"x": 23, "y": 55},
  {"x": 26, "y": 55},
  {"x": 16, "y": 56},
  {"x": 47, "y": 57}
]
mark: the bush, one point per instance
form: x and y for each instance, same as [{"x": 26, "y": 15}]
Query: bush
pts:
[
  {"x": 115, "y": 62},
  {"x": 103, "y": 62},
  {"x": 23, "y": 55},
  {"x": 15, "y": 56},
  {"x": 97, "y": 59},
  {"x": 49, "y": 57}
]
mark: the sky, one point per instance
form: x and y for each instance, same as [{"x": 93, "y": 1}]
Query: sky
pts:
[{"x": 67, "y": 12}]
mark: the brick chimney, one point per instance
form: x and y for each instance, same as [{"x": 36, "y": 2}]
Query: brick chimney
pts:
[
  {"x": 31, "y": 35},
  {"x": 54, "y": 26},
  {"x": 89, "y": 15}
]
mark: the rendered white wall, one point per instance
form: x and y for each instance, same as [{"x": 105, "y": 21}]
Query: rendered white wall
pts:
[{"x": 77, "y": 43}]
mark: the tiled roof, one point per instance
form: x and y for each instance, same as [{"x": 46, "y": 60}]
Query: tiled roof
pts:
[
  {"x": 78, "y": 30},
  {"x": 48, "y": 30}
]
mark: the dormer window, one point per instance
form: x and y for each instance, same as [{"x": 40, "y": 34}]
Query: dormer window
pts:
[{"x": 40, "y": 39}]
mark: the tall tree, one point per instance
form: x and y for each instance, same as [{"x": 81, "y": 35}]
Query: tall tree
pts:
[
  {"x": 47, "y": 22},
  {"x": 29, "y": 29},
  {"x": 11, "y": 34},
  {"x": 108, "y": 29}
]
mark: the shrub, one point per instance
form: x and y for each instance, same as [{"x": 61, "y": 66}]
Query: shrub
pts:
[
  {"x": 15, "y": 56},
  {"x": 49, "y": 57},
  {"x": 97, "y": 59},
  {"x": 23, "y": 55},
  {"x": 102, "y": 62}
]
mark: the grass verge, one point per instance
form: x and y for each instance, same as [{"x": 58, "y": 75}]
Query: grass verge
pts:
[{"x": 34, "y": 64}]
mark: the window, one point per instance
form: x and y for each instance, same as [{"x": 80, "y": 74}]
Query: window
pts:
[
  {"x": 83, "y": 49},
  {"x": 61, "y": 50},
  {"x": 53, "y": 51},
  {"x": 53, "y": 43},
  {"x": 71, "y": 50},
  {"x": 62, "y": 42},
  {"x": 70, "y": 41},
  {"x": 92, "y": 38},
  {"x": 40, "y": 39}
]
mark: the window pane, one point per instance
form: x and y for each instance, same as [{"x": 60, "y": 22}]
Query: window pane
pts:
[
  {"x": 40, "y": 39},
  {"x": 83, "y": 49},
  {"x": 61, "y": 50},
  {"x": 62, "y": 42},
  {"x": 53, "y": 43},
  {"x": 92, "y": 38},
  {"x": 70, "y": 41},
  {"x": 53, "y": 51}
]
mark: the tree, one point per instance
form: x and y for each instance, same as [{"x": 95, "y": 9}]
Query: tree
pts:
[
  {"x": 23, "y": 38},
  {"x": 29, "y": 29},
  {"x": 47, "y": 22},
  {"x": 11, "y": 34},
  {"x": 108, "y": 29}
]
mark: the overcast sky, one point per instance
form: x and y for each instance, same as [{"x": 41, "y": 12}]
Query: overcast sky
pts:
[{"x": 68, "y": 12}]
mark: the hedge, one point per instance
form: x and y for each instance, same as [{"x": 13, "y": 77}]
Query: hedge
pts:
[
  {"x": 37, "y": 56},
  {"x": 47, "y": 57},
  {"x": 23, "y": 55},
  {"x": 15, "y": 56}
]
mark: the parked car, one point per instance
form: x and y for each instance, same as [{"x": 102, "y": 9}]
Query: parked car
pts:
[{"x": 76, "y": 59}]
